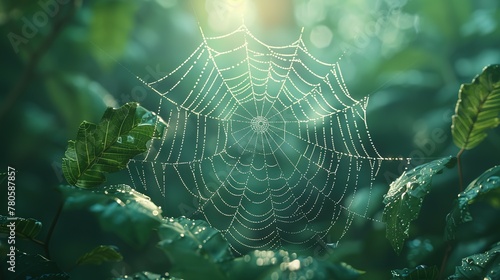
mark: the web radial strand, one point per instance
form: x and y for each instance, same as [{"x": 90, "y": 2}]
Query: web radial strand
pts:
[{"x": 265, "y": 140}]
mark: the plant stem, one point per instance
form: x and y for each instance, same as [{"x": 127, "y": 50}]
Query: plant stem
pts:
[
  {"x": 51, "y": 229},
  {"x": 445, "y": 260},
  {"x": 460, "y": 174}
]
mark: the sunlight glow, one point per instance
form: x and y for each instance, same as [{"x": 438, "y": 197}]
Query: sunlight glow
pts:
[{"x": 226, "y": 13}]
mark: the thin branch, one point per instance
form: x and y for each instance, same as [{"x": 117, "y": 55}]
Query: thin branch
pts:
[
  {"x": 460, "y": 174},
  {"x": 449, "y": 247},
  {"x": 51, "y": 229},
  {"x": 35, "y": 57}
]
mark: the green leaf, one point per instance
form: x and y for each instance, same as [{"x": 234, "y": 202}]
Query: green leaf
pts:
[
  {"x": 24, "y": 228},
  {"x": 36, "y": 267},
  {"x": 477, "y": 109},
  {"x": 285, "y": 265},
  {"x": 193, "y": 243},
  {"x": 145, "y": 275},
  {"x": 108, "y": 146},
  {"x": 480, "y": 266},
  {"x": 120, "y": 209},
  {"x": 421, "y": 272},
  {"x": 485, "y": 186},
  {"x": 405, "y": 196},
  {"x": 99, "y": 255}
]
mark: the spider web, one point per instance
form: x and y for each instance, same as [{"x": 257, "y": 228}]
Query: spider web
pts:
[{"x": 267, "y": 140}]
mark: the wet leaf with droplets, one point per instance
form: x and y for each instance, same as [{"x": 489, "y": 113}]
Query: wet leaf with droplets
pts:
[
  {"x": 120, "y": 209},
  {"x": 405, "y": 196},
  {"x": 108, "y": 146},
  {"x": 486, "y": 186},
  {"x": 480, "y": 266},
  {"x": 421, "y": 272},
  {"x": 194, "y": 248},
  {"x": 198, "y": 251}
]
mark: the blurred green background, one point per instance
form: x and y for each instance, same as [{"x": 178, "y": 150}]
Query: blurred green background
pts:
[{"x": 65, "y": 61}]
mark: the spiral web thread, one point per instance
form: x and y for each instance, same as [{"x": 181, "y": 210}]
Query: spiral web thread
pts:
[{"x": 266, "y": 139}]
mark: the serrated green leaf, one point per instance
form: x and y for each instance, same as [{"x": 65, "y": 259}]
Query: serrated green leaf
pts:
[
  {"x": 24, "y": 228},
  {"x": 405, "y": 196},
  {"x": 487, "y": 184},
  {"x": 120, "y": 209},
  {"x": 477, "y": 109},
  {"x": 421, "y": 272},
  {"x": 108, "y": 146},
  {"x": 99, "y": 255},
  {"x": 285, "y": 265},
  {"x": 36, "y": 267},
  {"x": 193, "y": 243},
  {"x": 146, "y": 275},
  {"x": 480, "y": 266}
]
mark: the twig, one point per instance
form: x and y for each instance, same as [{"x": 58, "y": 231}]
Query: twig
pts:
[
  {"x": 460, "y": 174},
  {"x": 51, "y": 229},
  {"x": 35, "y": 57},
  {"x": 449, "y": 247}
]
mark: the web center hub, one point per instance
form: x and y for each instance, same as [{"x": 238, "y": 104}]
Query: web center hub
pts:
[{"x": 259, "y": 124}]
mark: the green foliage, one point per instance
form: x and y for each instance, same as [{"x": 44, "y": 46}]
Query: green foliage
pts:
[
  {"x": 191, "y": 244},
  {"x": 477, "y": 109},
  {"x": 194, "y": 244},
  {"x": 187, "y": 243},
  {"x": 131, "y": 215},
  {"x": 24, "y": 228},
  {"x": 99, "y": 255},
  {"x": 120, "y": 209},
  {"x": 405, "y": 196},
  {"x": 285, "y": 265},
  {"x": 108, "y": 146},
  {"x": 36, "y": 267},
  {"x": 480, "y": 266},
  {"x": 485, "y": 186},
  {"x": 421, "y": 272}
]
